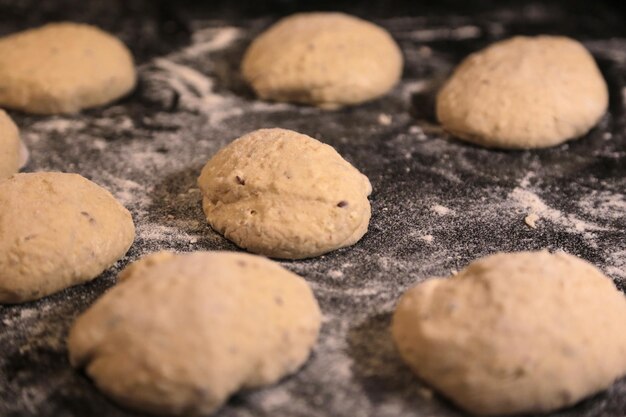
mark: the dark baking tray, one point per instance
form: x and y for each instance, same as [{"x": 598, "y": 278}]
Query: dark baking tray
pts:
[{"x": 148, "y": 150}]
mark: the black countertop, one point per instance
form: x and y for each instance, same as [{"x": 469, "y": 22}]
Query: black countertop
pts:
[{"x": 438, "y": 203}]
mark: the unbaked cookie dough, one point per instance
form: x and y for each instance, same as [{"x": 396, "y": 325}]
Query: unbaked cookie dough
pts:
[
  {"x": 524, "y": 92},
  {"x": 515, "y": 333},
  {"x": 284, "y": 194},
  {"x": 57, "y": 230},
  {"x": 325, "y": 59},
  {"x": 63, "y": 68},
  {"x": 183, "y": 332},
  {"x": 11, "y": 148}
]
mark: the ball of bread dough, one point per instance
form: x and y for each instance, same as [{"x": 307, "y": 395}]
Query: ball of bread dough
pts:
[
  {"x": 10, "y": 146},
  {"x": 525, "y": 92},
  {"x": 515, "y": 333},
  {"x": 284, "y": 194},
  {"x": 325, "y": 59},
  {"x": 183, "y": 332},
  {"x": 63, "y": 68},
  {"x": 57, "y": 230}
]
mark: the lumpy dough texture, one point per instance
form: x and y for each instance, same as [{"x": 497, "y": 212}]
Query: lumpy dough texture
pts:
[
  {"x": 515, "y": 333},
  {"x": 325, "y": 59},
  {"x": 183, "y": 332},
  {"x": 525, "y": 92},
  {"x": 284, "y": 194},
  {"x": 63, "y": 68},
  {"x": 57, "y": 230},
  {"x": 10, "y": 147}
]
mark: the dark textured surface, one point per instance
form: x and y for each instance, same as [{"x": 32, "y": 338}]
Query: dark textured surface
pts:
[{"x": 437, "y": 204}]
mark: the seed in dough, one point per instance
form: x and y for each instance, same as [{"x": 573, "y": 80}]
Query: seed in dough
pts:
[
  {"x": 63, "y": 68},
  {"x": 326, "y": 59},
  {"x": 183, "y": 332},
  {"x": 515, "y": 333},
  {"x": 524, "y": 92},
  {"x": 57, "y": 230},
  {"x": 283, "y": 194},
  {"x": 11, "y": 148}
]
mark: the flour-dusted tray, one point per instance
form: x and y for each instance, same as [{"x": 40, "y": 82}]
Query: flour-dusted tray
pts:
[{"x": 438, "y": 203}]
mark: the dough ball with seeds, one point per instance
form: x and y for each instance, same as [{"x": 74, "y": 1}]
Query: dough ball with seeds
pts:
[
  {"x": 63, "y": 68},
  {"x": 12, "y": 152},
  {"x": 325, "y": 59},
  {"x": 57, "y": 230},
  {"x": 181, "y": 333},
  {"x": 284, "y": 194},
  {"x": 515, "y": 333},
  {"x": 524, "y": 92}
]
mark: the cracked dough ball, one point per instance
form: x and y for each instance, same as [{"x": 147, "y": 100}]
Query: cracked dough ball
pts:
[
  {"x": 63, "y": 68},
  {"x": 57, "y": 230},
  {"x": 284, "y": 194},
  {"x": 525, "y": 92},
  {"x": 325, "y": 59},
  {"x": 515, "y": 333},
  {"x": 183, "y": 332},
  {"x": 11, "y": 154}
]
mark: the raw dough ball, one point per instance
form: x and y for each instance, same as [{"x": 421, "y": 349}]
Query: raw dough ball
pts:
[
  {"x": 515, "y": 333},
  {"x": 63, "y": 68},
  {"x": 525, "y": 92},
  {"x": 284, "y": 194},
  {"x": 10, "y": 147},
  {"x": 183, "y": 332},
  {"x": 57, "y": 230},
  {"x": 325, "y": 59}
]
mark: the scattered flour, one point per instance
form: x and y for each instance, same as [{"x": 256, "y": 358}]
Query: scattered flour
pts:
[{"x": 441, "y": 210}]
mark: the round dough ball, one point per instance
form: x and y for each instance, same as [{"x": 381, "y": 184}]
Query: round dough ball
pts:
[
  {"x": 183, "y": 332},
  {"x": 325, "y": 59},
  {"x": 284, "y": 194},
  {"x": 525, "y": 92},
  {"x": 57, "y": 230},
  {"x": 63, "y": 68},
  {"x": 515, "y": 333},
  {"x": 10, "y": 146}
]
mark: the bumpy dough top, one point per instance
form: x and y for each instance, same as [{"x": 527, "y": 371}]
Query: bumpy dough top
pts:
[
  {"x": 326, "y": 59},
  {"x": 284, "y": 194},
  {"x": 63, "y": 68},
  {"x": 57, "y": 230},
  {"x": 182, "y": 332},
  {"x": 524, "y": 92},
  {"x": 9, "y": 146},
  {"x": 515, "y": 332}
]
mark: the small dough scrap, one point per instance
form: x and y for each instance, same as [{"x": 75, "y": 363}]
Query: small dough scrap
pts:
[
  {"x": 285, "y": 195},
  {"x": 524, "y": 92},
  {"x": 183, "y": 332},
  {"x": 63, "y": 68},
  {"x": 515, "y": 333},
  {"x": 57, "y": 230},
  {"x": 325, "y": 59},
  {"x": 10, "y": 147}
]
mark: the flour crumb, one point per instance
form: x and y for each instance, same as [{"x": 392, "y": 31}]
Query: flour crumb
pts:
[
  {"x": 531, "y": 220},
  {"x": 384, "y": 119},
  {"x": 440, "y": 210},
  {"x": 427, "y": 238},
  {"x": 335, "y": 274}
]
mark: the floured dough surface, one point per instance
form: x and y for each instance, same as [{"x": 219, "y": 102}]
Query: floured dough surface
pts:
[
  {"x": 63, "y": 68},
  {"x": 57, "y": 230},
  {"x": 10, "y": 146},
  {"x": 324, "y": 59},
  {"x": 515, "y": 333},
  {"x": 182, "y": 332},
  {"x": 524, "y": 92},
  {"x": 284, "y": 194}
]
